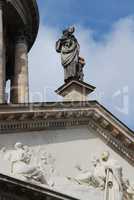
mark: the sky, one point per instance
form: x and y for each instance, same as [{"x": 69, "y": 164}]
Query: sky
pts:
[{"x": 105, "y": 31}]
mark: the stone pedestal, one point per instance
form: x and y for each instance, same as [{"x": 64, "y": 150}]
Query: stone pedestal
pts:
[
  {"x": 75, "y": 91},
  {"x": 2, "y": 56},
  {"x": 20, "y": 88}
]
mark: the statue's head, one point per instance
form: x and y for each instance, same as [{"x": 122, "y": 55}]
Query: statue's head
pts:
[
  {"x": 69, "y": 30},
  {"x": 18, "y": 145},
  {"x": 105, "y": 155}
]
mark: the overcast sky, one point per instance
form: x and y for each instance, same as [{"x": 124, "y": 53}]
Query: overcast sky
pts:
[{"x": 105, "y": 31}]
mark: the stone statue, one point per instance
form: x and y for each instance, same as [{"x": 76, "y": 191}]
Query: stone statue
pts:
[
  {"x": 47, "y": 163},
  {"x": 21, "y": 167},
  {"x": 95, "y": 178},
  {"x": 69, "y": 48},
  {"x": 113, "y": 178},
  {"x": 107, "y": 175},
  {"x": 129, "y": 191}
]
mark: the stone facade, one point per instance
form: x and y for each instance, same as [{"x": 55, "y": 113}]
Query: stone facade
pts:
[
  {"x": 65, "y": 136},
  {"x": 70, "y": 150},
  {"x": 21, "y": 118},
  {"x": 61, "y": 150},
  {"x": 2, "y": 55}
]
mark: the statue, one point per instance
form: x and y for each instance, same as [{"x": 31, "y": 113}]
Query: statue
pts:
[
  {"x": 113, "y": 178},
  {"x": 107, "y": 175},
  {"x": 95, "y": 178},
  {"x": 47, "y": 164},
  {"x": 21, "y": 167},
  {"x": 69, "y": 48},
  {"x": 129, "y": 188},
  {"x": 130, "y": 192}
]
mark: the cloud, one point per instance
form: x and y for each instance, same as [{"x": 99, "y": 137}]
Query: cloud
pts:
[
  {"x": 44, "y": 66},
  {"x": 109, "y": 66}
]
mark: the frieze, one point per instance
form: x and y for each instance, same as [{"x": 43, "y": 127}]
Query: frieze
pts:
[{"x": 37, "y": 167}]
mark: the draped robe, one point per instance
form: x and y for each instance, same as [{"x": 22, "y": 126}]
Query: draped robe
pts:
[
  {"x": 69, "y": 49},
  {"x": 113, "y": 186}
]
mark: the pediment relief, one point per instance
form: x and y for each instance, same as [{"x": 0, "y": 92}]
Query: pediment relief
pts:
[
  {"x": 106, "y": 176},
  {"x": 92, "y": 114}
]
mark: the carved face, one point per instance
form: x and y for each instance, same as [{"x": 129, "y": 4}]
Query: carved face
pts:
[
  {"x": 105, "y": 156},
  {"x": 71, "y": 29},
  {"x": 18, "y": 145}
]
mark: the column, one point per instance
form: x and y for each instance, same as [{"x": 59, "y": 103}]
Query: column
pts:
[
  {"x": 2, "y": 56},
  {"x": 19, "y": 83}
]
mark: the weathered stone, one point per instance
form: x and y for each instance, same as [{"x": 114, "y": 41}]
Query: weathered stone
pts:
[
  {"x": 20, "y": 88},
  {"x": 75, "y": 91},
  {"x": 2, "y": 57},
  {"x": 15, "y": 16}
]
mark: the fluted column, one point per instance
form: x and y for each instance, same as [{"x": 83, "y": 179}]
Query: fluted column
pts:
[
  {"x": 20, "y": 87},
  {"x": 2, "y": 55}
]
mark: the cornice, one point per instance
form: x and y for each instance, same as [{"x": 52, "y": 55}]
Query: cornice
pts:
[
  {"x": 117, "y": 144},
  {"x": 48, "y": 117},
  {"x": 11, "y": 188}
]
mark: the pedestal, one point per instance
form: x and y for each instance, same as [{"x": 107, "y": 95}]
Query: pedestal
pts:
[{"x": 75, "y": 91}]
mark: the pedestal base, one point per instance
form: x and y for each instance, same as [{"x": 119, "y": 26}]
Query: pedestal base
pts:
[{"x": 75, "y": 91}]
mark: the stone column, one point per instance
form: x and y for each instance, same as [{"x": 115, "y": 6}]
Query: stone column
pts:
[
  {"x": 19, "y": 85},
  {"x": 2, "y": 56}
]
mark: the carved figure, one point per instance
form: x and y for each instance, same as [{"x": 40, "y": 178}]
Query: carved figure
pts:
[
  {"x": 21, "y": 167},
  {"x": 95, "y": 178},
  {"x": 47, "y": 164},
  {"x": 129, "y": 191},
  {"x": 107, "y": 176},
  {"x": 113, "y": 178}
]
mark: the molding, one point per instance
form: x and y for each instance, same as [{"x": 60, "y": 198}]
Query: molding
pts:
[
  {"x": 113, "y": 142},
  {"x": 60, "y": 115},
  {"x": 37, "y": 125},
  {"x": 51, "y": 120},
  {"x": 11, "y": 188}
]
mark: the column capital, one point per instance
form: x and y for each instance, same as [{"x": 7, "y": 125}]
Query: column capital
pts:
[{"x": 21, "y": 37}]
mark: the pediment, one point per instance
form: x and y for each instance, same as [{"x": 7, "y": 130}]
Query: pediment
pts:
[{"x": 72, "y": 134}]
